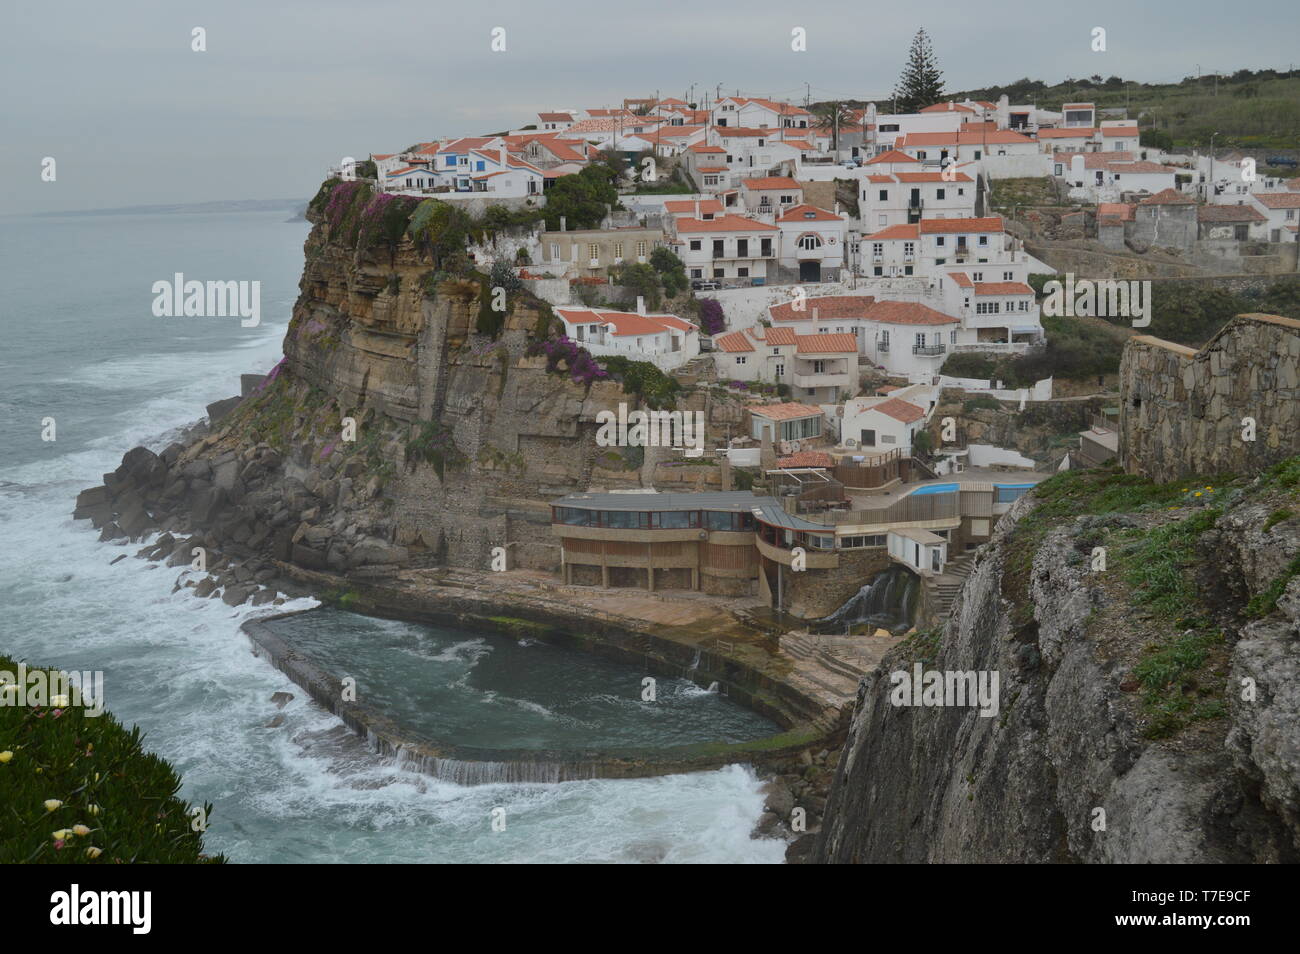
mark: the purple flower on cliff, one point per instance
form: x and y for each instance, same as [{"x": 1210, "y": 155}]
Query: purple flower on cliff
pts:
[{"x": 327, "y": 450}]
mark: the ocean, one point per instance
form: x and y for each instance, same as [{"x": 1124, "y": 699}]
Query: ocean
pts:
[{"x": 82, "y": 347}]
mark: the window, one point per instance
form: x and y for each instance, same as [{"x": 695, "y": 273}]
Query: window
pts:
[
  {"x": 939, "y": 241},
  {"x": 740, "y": 359},
  {"x": 785, "y": 199},
  {"x": 697, "y": 273},
  {"x": 868, "y": 438},
  {"x": 884, "y": 195},
  {"x": 819, "y": 367},
  {"x": 940, "y": 194},
  {"x": 920, "y": 339},
  {"x": 696, "y": 244},
  {"x": 1008, "y": 276},
  {"x": 986, "y": 308},
  {"x": 618, "y": 250},
  {"x": 909, "y": 249},
  {"x": 555, "y": 251},
  {"x": 882, "y": 219},
  {"x": 878, "y": 270},
  {"x": 977, "y": 276},
  {"x": 810, "y": 243},
  {"x": 719, "y": 273},
  {"x": 952, "y": 336},
  {"x": 884, "y": 340},
  {"x": 861, "y": 542},
  {"x": 780, "y": 370},
  {"x": 1024, "y": 306},
  {"x": 877, "y": 248},
  {"x": 888, "y": 439},
  {"x": 907, "y": 269},
  {"x": 742, "y": 272},
  {"x": 641, "y": 249},
  {"x": 983, "y": 240}
]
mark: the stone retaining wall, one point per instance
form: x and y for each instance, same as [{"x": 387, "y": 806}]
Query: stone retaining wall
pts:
[{"x": 1182, "y": 410}]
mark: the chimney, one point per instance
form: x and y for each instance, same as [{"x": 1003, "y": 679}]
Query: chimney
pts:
[
  {"x": 697, "y": 208},
  {"x": 816, "y": 311},
  {"x": 640, "y": 305},
  {"x": 564, "y": 224}
]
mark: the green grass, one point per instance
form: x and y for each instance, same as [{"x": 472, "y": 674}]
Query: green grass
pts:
[
  {"x": 1174, "y": 676},
  {"x": 102, "y": 778}
]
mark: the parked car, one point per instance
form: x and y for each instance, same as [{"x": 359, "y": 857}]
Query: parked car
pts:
[
  {"x": 1287, "y": 161},
  {"x": 705, "y": 284}
]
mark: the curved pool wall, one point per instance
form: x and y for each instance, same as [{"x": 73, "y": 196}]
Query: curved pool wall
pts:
[{"x": 807, "y": 722}]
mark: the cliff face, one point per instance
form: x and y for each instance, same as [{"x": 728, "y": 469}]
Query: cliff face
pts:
[
  {"x": 1195, "y": 768},
  {"x": 391, "y": 435}
]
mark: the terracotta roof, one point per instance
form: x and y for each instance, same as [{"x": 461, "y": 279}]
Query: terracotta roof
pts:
[
  {"x": 746, "y": 132},
  {"x": 907, "y": 313},
  {"x": 1118, "y": 210},
  {"x": 828, "y": 307},
  {"x": 892, "y": 155},
  {"x": 887, "y": 388},
  {"x": 622, "y": 323},
  {"x": 961, "y": 279},
  {"x": 701, "y": 147},
  {"x": 555, "y": 117},
  {"x": 1002, "y": 288},
  {"x": 991, "y": 223},
  {"x": 1119, "y": 130},
  {"x": 931, "y": 177},
  {"x": 726, "y": 223},
  {"x": 947, "y": 108},
  {"x": 881, "y": 179},
  {"x": 771, "y": 182},
  {"x": 1278, "y": 200},
  {"x": 1168, "y": 197},
  {"x": 1229, "y": 213},
  {"x": 734, "y": 342},
  {"x": 809, "y": 213},
  {"x": 1079, "y": 106},
  {"x": 712, "y": 169},
  {"x": 1094, "y": 160},
  {"x": 784, "y": 412},
  {"x": 1083, "y": 132},
  {"x": 838, "y": 343},
  {"x": 899, "y": 410},
  {"x": 1124, "y": 166},
  {"x": 807, "y": 459},
  {"x": 688, "y": 205},
  {"x": 902, "y": 231},
  {"x": 778, "y": 336}
]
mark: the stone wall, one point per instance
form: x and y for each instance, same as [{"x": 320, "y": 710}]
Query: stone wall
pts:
[
  {"x": 1182, "y": 411},
  {"x": 814, "y": 594}
]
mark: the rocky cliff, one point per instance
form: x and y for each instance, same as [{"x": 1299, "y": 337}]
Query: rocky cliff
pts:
[
  {"x": 392, "y": 434},
  {"x": 1148, "y": 706}
]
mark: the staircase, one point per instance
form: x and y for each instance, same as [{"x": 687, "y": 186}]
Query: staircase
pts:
[{"x": 945, "y": 587}]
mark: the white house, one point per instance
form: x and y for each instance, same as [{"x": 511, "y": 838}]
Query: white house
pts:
[
  {"x": 664, "y": 340},
  {"x": 1105, "y": 181},
  {"x": 812, "y": 241},
  {"x": 880, "y": 424},
  {"x": 1282, "y": 210},
  {"x": 819, "y": 368},
  {"x": 758, "y": 113},
  {"x": 556, "y": 121},
  {"x": 771, "y": 195},
  {"x": 727, "y": 247},
  {"x": 892, "y": 199},
  {"x": 966, "y": 145}
]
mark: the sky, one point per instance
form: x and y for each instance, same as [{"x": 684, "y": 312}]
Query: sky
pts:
[{"x": 286, "y": 88}]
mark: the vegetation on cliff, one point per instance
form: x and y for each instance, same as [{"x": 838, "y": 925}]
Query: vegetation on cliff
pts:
[{"x": 82, "y": 790}]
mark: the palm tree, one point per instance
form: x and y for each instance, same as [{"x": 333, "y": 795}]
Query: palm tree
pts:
[{"x": 832, "y": 116}]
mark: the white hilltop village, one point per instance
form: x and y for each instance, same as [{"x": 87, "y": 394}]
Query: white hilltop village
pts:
[{"x": 849, "y": 260}]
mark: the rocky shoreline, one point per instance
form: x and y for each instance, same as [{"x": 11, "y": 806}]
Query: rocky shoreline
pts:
[{"x": 270, "y": 529}]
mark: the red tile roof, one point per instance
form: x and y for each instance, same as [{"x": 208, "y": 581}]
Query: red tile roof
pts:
[
  {"x": 932, "y": 177},
  {"x": 1002, "y": 288},
  {"x": 902, "y": 231},
  {"x": 996, "y": 137},
  {"x": 726, "y": 223},
  {"x": 837, "y": 343},
  {"x": 809, "y": 213},
  {"x": 734, "y": 342},
  {"x": 1229, "y": 213},
  {"x": 899, "y": 410},
  {"x": 784, "y": 412},
  {"x": 961, "y": 279},
  {"x": 892, "y": 155},
  {"x": 947, "y": 108},
  {"x": 1083, "y": 132},
  {"x": 907, "y": 313},
  {"x": 778, "y": 336},
  {"x": 1278, "y": 200},
  {"x": 771, "y": 182},
  {"x": 1168, "y": 197},
  {"x": 1119, "y": 210},
  {"x": 828, "y": 307},
  {"x": 688, "y": 205}
]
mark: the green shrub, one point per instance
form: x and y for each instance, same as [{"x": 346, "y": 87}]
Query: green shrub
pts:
[{"x": 102, "y": 778}]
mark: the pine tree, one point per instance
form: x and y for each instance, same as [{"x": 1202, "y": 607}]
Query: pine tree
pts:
[{"x": 921, "y": 84}]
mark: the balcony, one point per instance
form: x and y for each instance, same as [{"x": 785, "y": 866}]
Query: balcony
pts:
[
  {"x": 827, "y": 379},
  {"x": 929, "y": 351},
  {"x": 882, "y": 347}
]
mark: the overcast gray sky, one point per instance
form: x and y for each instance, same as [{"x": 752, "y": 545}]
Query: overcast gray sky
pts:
[{"x": 287, "y": 87}]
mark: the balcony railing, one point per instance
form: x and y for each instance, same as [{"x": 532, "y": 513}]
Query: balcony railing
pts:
[
  {"x": 929, "y": 350},
  {"x": 883, "y": 347},
  {"x": 993, "y": 347}
]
